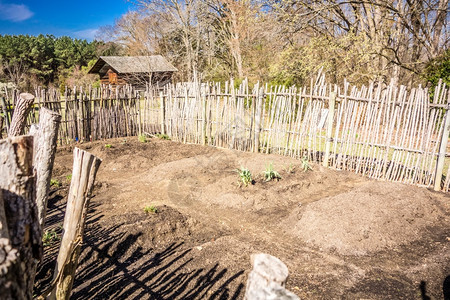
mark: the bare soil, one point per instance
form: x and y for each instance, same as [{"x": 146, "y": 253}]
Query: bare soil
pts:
[{"x": 342, "y": 236}]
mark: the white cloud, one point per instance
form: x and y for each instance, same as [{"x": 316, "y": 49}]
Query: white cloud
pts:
[
  {"x": 88, "y": 34},
  {"x": 14, "y": 12}
]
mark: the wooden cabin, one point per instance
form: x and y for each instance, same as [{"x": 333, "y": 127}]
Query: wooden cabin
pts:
[{"x": 134, "y": 70}]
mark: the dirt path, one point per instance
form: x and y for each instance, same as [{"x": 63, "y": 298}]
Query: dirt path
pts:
[{"x": 341, "y": 235}]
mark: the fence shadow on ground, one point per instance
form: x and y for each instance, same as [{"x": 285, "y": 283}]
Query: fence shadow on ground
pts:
[{"x": 113, "y": 266}]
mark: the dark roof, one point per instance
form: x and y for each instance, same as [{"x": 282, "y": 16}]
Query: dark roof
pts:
[{"x": 133, "y": 64}]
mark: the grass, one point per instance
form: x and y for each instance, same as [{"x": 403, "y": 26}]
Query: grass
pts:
[
  {"x": 163, "y": 136},
  {"x": 55, "y": 182},
  {"x": 108, "y": 146},
  {"x": 245, "y": 176},
  {"x": 50, "y": 237},
  {"x": 69, "y": 177},
  {"x": 142, "y": 138},
  {"x": 271, "y": 174},
  {"x": 150, "y": 209}
]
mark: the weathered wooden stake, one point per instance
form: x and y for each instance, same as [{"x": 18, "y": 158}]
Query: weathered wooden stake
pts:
[
  {"x": 20, "y": 233},
  {"x": 85, "y": 166},
  {"x": 203, "y": 119},
  {"x": 442, "y": 150},
  {"x": 267, "y": 279},
  {"x": 45, "y": 142},
  {"x": 329, "y": 137},
  {"x": 20, "y": 114},
  {"x": 259, "y": 109},
  {"x": 162, "y": 109},
  {"x": 5, "y": 113}
]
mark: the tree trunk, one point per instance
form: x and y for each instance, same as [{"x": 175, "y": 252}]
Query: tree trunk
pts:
[
  {"x": 45, "y": 139},
  {"x": 20, "y": 240},
  {"x": 85, "y": 166},
  {"x": 21, "y": 111}
]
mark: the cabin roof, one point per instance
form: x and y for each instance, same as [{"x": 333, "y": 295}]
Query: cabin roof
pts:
[{"x": 132, "y": 64}]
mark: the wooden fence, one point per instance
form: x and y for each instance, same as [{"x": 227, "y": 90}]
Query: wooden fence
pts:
[
  {"x": 380, "y": 131},
  {"x": 87, "y": 115}
]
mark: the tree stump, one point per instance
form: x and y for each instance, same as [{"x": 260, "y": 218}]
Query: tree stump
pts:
[
  {"x": 21, "y": 112},
  {"x": 20, "y": 233}
]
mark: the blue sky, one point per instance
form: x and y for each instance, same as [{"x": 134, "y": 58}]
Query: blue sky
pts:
[{"x": 78, "y": 19}]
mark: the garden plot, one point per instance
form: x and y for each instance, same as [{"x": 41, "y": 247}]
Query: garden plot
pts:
[{"x": 169, "y": 221}]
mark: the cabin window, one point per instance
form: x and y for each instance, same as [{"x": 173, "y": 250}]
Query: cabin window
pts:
[{"x": 112, "y": 78}]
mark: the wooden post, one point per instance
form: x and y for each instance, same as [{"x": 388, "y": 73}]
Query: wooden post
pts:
[
  {"x": 5, "y": 113},
  {"x": 162, "y": 108},
  {"x": 1, "y": 126},
  {"x": 20, "y": 233},
  {"x": 203, "y": 118},
  {"x": 85, "y": 166},
  {"x": 329, "y": 137},
  {"x": 21, "y": 111},
  {"x": 442, "y": 149},
  {"x": 267, "y": 279},
  {"x": 258, "y": 116},
  {"x": 45, "y": 142}
]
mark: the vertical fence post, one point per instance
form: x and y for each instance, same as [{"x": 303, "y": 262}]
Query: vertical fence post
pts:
[
  {"x": 259, "y": 106},
  {"x": 204, "y": 103},
  {"x": 6, "y": 113},
  {"x": 329, "y": 137},
  {"x": 162, "y": 108},
  {"x": 442, "y": 149}
]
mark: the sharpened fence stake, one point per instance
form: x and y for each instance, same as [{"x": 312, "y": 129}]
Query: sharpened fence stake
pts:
[
  {"x": 442, "y": 149},
  {"x": 330, "y": 119}
]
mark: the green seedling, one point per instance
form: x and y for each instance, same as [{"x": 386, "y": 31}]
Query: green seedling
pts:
[
  {"x": 50, "y": 237},
  {"x": 245, "y": 176},
  {"x": 290, "y": 169},
  {"x": 150, "y": 209},
  {"x": 108, "y": 146},
  {"x": 271, "y": 174},
  {"x": 69, "y": 177},
  {"x": 54, "y": 182},
  {"x": 305, "y": 164},
  {"x": 142, "y": 138}
]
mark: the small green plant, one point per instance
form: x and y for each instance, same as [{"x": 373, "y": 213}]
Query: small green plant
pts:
[
  {"x": 290, "y": 169},
  {"x": 271, "y": 174},
  {"x": 245, "y": 176},
  {"x": 108, "y": 146},
  {"x": 163, "y": 136},
  {"x": 305, "y": 164},
  {"x": 69, "y": 177},
  {"x": 49, "y": 238},
  {"x": 142, "y": 138},
  {"x": 55, "y": 182},
  {"x": 150, "y": 209}
]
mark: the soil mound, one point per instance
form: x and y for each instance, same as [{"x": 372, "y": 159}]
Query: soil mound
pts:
[{"x": 370, "y": 218}]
